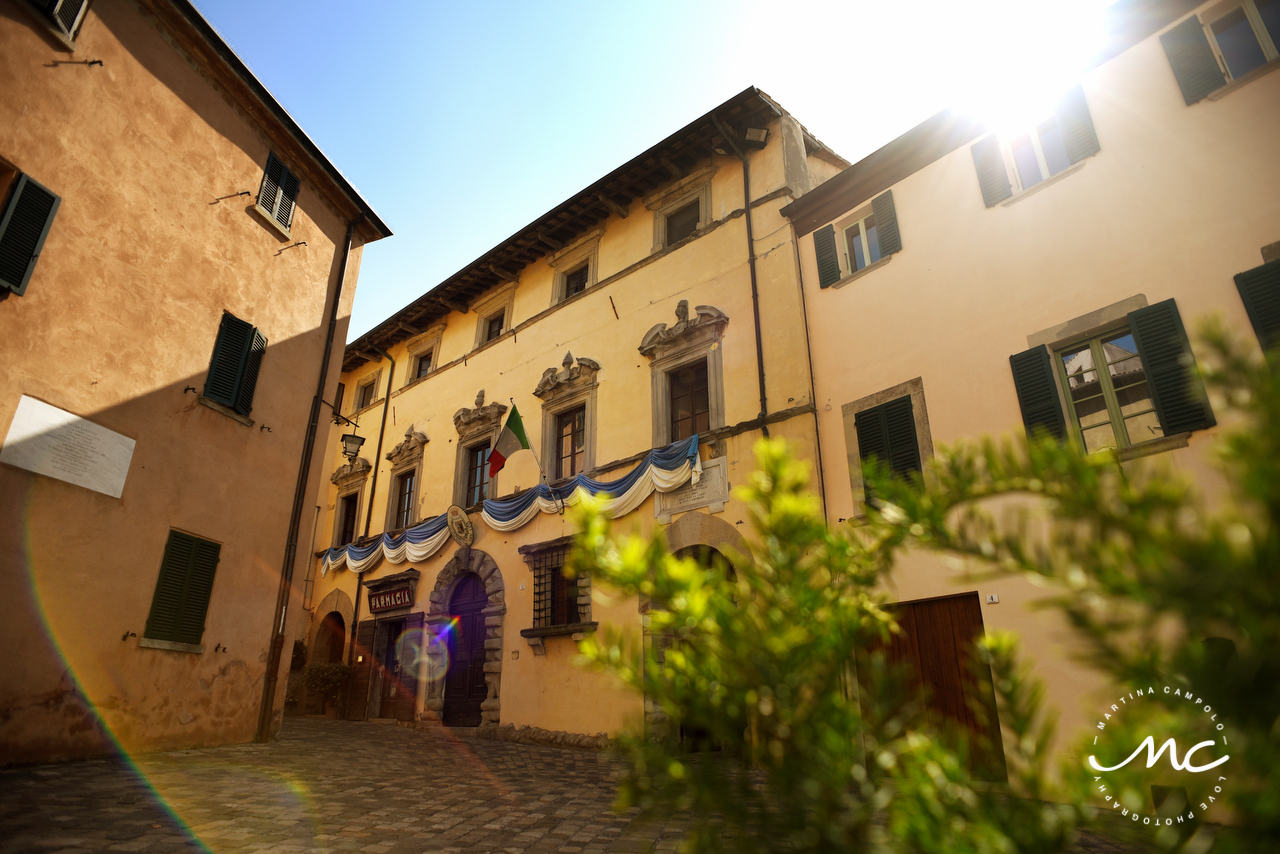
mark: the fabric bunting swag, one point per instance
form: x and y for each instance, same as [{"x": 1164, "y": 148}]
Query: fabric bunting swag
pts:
[{"x": 662, "y": 469}]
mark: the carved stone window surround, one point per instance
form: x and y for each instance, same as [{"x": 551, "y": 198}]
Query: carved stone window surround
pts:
[
  {"x": 672, "y": 347},
  {"x": 585, "y": 249},
  {"x": 405, "y": 457},
  {"x": 501, "y": 301},
  {"x": 562, "y": 390},
  {"x": 475, "y": 426},
  {"x": 418, "y": 346}
]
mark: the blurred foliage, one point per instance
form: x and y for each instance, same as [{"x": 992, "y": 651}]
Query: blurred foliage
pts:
[{"x": 755, "y": 665}]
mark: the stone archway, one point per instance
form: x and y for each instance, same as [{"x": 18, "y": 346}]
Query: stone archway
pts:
[
  {"x": 703, "y": 529},
  {"x": 464, "y": 561},
  {"x": 336, "y": 602}
]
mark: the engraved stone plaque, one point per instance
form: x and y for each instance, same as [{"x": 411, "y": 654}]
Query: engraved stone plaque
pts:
[
  {"x": 51, "y": 441},
  {"x": 711, "y": 491}
]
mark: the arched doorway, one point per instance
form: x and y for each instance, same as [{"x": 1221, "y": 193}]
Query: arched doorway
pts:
[
  {"x": 331, "y": 639},
  {"x": 693, "y": 736},
  {"x": 464, "y": 683}
]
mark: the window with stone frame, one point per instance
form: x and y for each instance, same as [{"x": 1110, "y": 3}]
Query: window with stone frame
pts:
[
  {"x": 477, "y": 475},
  {"x": 681, "y": 208},
  {"x": 348, "y": 513},
  {"x": 575, "y": 281},
  {"x": 690, "y": 407},
  {"x": 406, "y": 484},
  {"x": 422, "y": 366},
  {"x": 687, "y": 374},
  {"x": 568, "y": 397},
  {"x": 575, "y": 266},
  {"x": 555, "y": 595},
  {"x": 366, "y": 393},
  {"x": 571, "y": 442}
]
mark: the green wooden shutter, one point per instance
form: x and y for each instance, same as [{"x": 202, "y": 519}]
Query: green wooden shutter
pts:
[
  {"x": 992, "y": 176},
  {"x": 226, "y": 368},
  {"x": 288, "y": 197},
  {"x": 824, "y": 246},
  {"x": 886, "y": 224},
  {"x": 1260, "y": 290},
  {"x": 249, "y": 381},
  {"x": 1076, "y": 124},
  {"x": 1037, "y": 392},
  {"x": 269, "y": 192},
  {"x": 888, "y": 432},
  {"x": 23, "y": 228},
  {"x": 1176, "y": 389},
  {"x": 181, "y": 597},
  {"x": 1194, "y": 65}
]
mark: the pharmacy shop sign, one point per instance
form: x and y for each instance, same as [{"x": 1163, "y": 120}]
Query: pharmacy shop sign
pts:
[{"x": 1194, "y": 759}]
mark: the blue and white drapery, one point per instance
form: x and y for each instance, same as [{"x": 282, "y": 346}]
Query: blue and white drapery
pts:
[
  {"x": 413, "y": 544},
  {"x": 662, "y": 470}
]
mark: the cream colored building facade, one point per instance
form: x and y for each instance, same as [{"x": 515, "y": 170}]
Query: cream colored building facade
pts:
[{"x": 178, "y": 264}]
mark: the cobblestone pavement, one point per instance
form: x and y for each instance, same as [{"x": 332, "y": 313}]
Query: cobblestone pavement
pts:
[{"x": 334, "y": 786}]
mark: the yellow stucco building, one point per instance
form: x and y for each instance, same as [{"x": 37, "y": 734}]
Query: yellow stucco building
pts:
[{"x": 177, "y": 264}]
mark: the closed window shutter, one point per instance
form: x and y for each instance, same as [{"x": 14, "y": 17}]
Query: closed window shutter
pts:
[
  {"x": 23, "y": 228},
  {"x": 888, "y": 432},
  {"x": 1037, "y": 392},
  {"x": 992, "y": 176},
  {"x": 1078, "y": 135},
  {"x": 1194, "y": 65},
  {"x": 886, "y": 224},
  {"x": 288, "y": 196},
  {"x": 1260, "y": 291},
  {"x": 279, "y": 192},
  {"x": 181, "y": 597},
  {"x": 1176, "y": 389},
  {"x": 227, "y": 365},
  {"x": 824, "y": 246},
  {"x": 253, "y": 362},
  {"x": 270, "y": 190}
]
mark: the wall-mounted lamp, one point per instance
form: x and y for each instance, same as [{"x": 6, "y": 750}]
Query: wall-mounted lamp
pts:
[
  {"x": 351, "y": 444},
  {"x": 756, "y": 137}
]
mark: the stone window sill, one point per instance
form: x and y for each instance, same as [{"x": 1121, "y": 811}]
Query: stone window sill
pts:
[
  {"x": 1052, "y": 179},
  {"x": 860, "y": 273},
  {"x": 552, "y": 631},
  {"x": 271, "y": 221},
  {"x": 172, "y": 646},
  {"x": 1253, "y": 75},
  {"x": 225, "y": 410}
]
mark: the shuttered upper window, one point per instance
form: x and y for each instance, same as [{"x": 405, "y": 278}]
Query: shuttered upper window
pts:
[
  {"x": 1014, "y": 165},
  {"x": 181, "y": 597},
  {"x": 233, "y": 370},
  {"x": 888, "y": 433},
  {"x": 859, "y": 240},
  {"x": 1260, "y": 292},
  {"x": 1231, "y": 41},
  {"x": 24, "y": 225},
  {"x": 279, "y": 193},
  {"x": 1129, "y": 385}
]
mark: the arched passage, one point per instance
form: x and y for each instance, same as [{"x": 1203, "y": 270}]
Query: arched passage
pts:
[
  {"x": 472, "y": 582},
  {"x": 336, "y": 604},
  {"x": 331, "y": 639}
]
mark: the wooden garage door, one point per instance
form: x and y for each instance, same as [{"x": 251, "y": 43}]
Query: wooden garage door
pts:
[{"x": 936, "y": 649}]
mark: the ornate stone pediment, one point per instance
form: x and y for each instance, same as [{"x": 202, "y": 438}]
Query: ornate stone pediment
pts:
[
  {"x": 483, "y": 418},
  {"x": 355, "y": 470},
  {"x": 410, "y": 449},
  {"x": 571, "y": 378},
  {"x": 709, "y": 323}
]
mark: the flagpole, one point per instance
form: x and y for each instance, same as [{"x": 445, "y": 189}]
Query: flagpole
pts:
[{"x": 541, "y": 470}]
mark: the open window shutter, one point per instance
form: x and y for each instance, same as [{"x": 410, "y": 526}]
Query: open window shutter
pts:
[
  {"x": 886, "y": 224},
  {"x": 824, "y": 246},
  {"x": 1176, "y": 389},
  {"x": 23, "y": 228},
  {"x": 229, "y": 356},
  {"x": 195, "y": 602},
  {"x": 244, "y": 396},
  {"x": 1194, "y": 65},
  {"x": 288, "y": 196},
  {"x": 1260, "y": 291},
  {"x": 888, "y": 432},
  {"x": 1074, "y": 121},
  {"x": 992, "y": 176},
  {"x": 1037, "y": 392},
  {"x": 66, "y": 14},
  {"x": 166, "y": 604},
  {"x": 270, "y": 190}
]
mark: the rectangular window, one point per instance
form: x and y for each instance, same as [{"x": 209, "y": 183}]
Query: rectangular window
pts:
[
  {"x": 337, "y": 399},
  {"x": 555, "y": 596},
  {"x": 181, "y": 597},
  {"x": 24, "y": 225},
  {"x": 278, "y": 193},
  {"x": 404, "y": 499},
  {"x": 575, "y": 282},
  {"x": 423, "y": 366},
  {"x": 493, "y": 326},
  {"x": 1039, "y": 154},
  {"x": 862, "y": 244},
  {"x": 347, "y": 507},
  {"x": 1110, "y": 399},
  {"x": 888, "y": 432},
  {"x": 237, "y": 359},
  {"x": 365, "y": 393},
  {"x": 690, "y": 404},
  {"x": 1246, "y": 36},
  {"x": 683, "y": 221},
  {"x": 477, "y": 474},
  {"x": 571, "y": 442},
  {"x": 66, "y": 16}
]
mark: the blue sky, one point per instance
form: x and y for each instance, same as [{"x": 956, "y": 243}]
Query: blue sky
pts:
[{"x": 462, "y": 122}]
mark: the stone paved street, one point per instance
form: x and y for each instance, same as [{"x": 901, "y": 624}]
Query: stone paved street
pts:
[{"x": 333, "y": 786}]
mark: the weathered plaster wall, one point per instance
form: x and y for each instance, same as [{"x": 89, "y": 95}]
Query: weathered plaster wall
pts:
[
  {"x": 1177, "y": 201},
  {"x": 119, "y": 319}
]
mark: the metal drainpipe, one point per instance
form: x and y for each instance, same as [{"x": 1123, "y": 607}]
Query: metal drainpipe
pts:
[
  {"x": 299, "y": 498},
  {"x": 813, "y": 389},
  {"x": 751, "y": 263}
]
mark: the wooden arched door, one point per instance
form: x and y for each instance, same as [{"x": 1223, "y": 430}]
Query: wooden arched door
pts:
[{"x": 464, "y": 685}]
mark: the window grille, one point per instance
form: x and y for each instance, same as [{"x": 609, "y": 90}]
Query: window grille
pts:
[{"x": 555, "y": 597}]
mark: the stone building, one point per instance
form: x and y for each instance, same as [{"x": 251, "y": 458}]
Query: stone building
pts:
[{"x": 177, "y": 264}]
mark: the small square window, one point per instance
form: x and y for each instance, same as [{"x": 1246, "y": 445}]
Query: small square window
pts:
[
  {"x": 683, "y": 221},
  {"x": 493, "y": 326},
  {"x": 477, "y": 482},
  {"x": 575, "y": 282},
  {"x": 690, "y": 400},
  {"x": 571, "y": 442},
  {"x": 862, "y": 244},
  {"x": 364, "y": 394},
  {"x": 423, "y": 366}
]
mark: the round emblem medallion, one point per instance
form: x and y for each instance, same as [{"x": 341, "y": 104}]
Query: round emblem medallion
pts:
[{"x": 464, "y": 534}]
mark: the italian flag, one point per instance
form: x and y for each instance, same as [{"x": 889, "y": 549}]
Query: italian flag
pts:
[{"x": 510, "y": 440}]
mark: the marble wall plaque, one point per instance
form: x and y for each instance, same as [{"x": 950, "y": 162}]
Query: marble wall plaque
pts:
[
  {"x": 711, "y": 491},
  {"x": 51, "y": 441}
]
